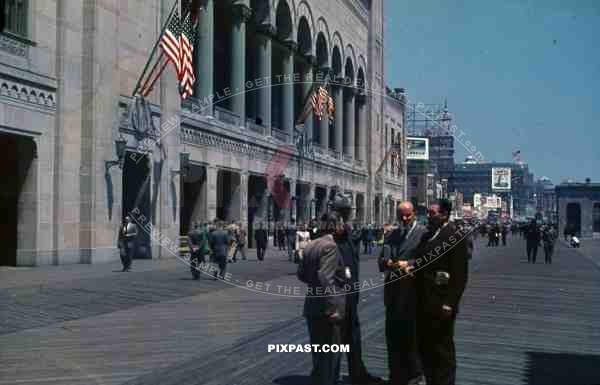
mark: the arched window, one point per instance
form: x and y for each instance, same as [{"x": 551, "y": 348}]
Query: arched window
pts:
[{"x": 15, "y": 12}]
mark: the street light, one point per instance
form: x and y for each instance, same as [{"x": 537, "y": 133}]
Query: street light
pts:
[{"x": 120, "y": 149}]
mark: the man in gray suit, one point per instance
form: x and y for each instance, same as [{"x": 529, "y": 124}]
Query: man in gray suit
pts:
[
  {"x": 324, "y": 307},
  {"x": 219, "y": 241},
  {"x": 400, "y": 296}
]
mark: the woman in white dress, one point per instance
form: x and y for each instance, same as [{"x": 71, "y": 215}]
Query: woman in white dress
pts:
[{"x": 302, "y": 240}]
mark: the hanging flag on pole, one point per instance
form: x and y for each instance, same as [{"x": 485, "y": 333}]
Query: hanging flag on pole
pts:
[
  {"x": 169, "y": 42},
  {"x": 177, "y": 46},
  {"x": 186, "y": 49}
]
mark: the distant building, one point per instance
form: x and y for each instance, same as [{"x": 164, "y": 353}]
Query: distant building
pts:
[
  {"x": 471, "y": 177},
  {"x": 579, "y": 206},
  {"x": 545, "y": 199}
]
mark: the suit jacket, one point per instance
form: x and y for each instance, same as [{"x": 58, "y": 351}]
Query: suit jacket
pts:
[
  {"x": 324, "y": 269},
  {"x": 219, "y": 242},
  {"x": 260, "y": 235},
  {"x": 399, "y": 245},
  {"x": 447, "y": 252}
]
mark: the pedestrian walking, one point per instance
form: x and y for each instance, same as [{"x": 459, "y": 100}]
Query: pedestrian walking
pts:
[
  {"x": 302, "y": 240},
  {"x": 261, "y": 238},
  {"x": 290, "y": 238},
  {"x": 400, "y": 297},
  {"x": 549, "y": 238},
  {"x": 240, "y": 242},
  {"x": 219, "y": 241},
  {"x": 532, "y": 235},
  {"x": 127, "y": 242},
  {"x": 281, "y": 238},
  {"x": 198, "y": 243}
]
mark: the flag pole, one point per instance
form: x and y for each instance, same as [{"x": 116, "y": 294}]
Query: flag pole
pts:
[
  {"x": 164, "y": 27},
  {"x": 150, "y": 75},
  {"x": 147, "y": 90}
]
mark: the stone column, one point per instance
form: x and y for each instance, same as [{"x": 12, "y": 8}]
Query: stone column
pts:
[
  {"x": 307, "y": 79},
  {"x": 349, "y": 121},
  {"x": 352, "y": 216},
  {"x": 338, "y": 100},
  {"x": 211, "y": 192},
  {"x": 205, "y": 53},
  {"x": 324, "y": 122},
  {"x": 361, "y": 99},
  {"x": 169, "y": 196},
  {"x": 241, "y": 14},
  {"x": 325, "y": 200},
  {"x": 288, "y": 91},
  {"x": 310, "y": 205},
  {"x": 244, "y": 198},
  {"x": 264, "y": 59},
  {"x": 293, "y": 203}
]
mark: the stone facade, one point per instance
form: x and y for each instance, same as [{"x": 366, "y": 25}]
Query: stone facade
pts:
[
  {"x": 65, "y": 87},
  {"x": 579, "y": 206}
]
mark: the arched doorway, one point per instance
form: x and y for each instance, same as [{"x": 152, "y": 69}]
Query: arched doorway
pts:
[
  {"x": 574, "y": 217},
  {"x": 18, "y": 200},
  {"x": 596, "y": 217}
]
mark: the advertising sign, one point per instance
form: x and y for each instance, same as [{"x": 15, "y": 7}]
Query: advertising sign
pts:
[
  {"x": 478, "y": 201},
  {"x": 501, "y": 179},
  {"x": 417, "y": 148}
]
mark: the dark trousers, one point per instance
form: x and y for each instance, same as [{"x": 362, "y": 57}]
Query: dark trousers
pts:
[
  {"x": 401, "y": 339},
  {"x": 351, "y": 336},
  {"x": 127, "y": 254},
  {"x": 291, "y": 247},
  {"x": 197, "y": 258},
  {"x": 548, "y": 251},
  {"x": 325, "y": 365},
  {"x": 436, "y": 349},
  {"x": 241, "y": 248},
  {"x": 221, "y": 261},
  {"x": 532, "y": 248},
  {"x": 261, "y": 247}
]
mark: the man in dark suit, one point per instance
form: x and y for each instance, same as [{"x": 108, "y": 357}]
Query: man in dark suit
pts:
[
  {"x": 290, "y": 239},
  {"x": 260, "y": 236},
  {"x": 322, "y": 269},
  {"x": 532, "y": 234},
  {"x": 219, "y": 242},
  {"x": 442, "y": 263},
  {"x": 347, "y": 242},
  {"x": 400, "y": 297}
]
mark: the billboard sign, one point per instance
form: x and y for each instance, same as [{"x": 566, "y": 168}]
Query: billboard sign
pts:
[
  {"x": 501, "y": 179},
  {"x": 417, "y": 148}
]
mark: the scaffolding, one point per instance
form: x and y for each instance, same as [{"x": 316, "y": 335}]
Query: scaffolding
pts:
[{"x": 428, "y": 120}]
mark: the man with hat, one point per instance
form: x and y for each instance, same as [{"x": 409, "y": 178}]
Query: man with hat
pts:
[{"x": 349, "y": 252}]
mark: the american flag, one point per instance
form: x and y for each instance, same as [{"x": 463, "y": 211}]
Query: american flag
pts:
[
  {"x": 319, "y": 100},
  {"x": 169, "y": 42},
  {"x": 186, "y": 48}
]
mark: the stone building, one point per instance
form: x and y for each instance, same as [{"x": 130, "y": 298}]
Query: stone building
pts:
[
  {"x": 67, "y": 72},
  {"x": 579, "y": 206}
]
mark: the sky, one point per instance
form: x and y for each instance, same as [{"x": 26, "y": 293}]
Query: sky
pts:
[{"x": 517, "y": 75}]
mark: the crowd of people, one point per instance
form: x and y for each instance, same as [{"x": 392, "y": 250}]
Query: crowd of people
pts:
[
  {"x": 423, "y": 286},
  {"x": 535, "y": 236}
]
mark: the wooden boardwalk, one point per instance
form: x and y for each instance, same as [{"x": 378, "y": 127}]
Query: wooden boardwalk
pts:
[{"x": 519, "y": 324}]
